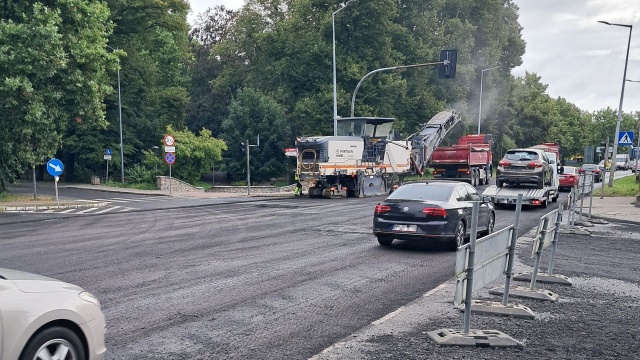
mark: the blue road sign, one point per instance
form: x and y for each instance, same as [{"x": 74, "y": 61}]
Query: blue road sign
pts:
[
  {"x": 107, "y": 151},
  {"x": 169, "y": 158},
  {"x": 55, "y": 167},
  {"x": 625, "y": 138}
]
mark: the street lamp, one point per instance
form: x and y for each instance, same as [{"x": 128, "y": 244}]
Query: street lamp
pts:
[
  {"x": 355, "y": 92},
  {"x": 615, "y": 136},
  {"x": 480, "y": 109},
  {"x": 636, "y": 152},
  {"x": 120, "y": 116},
  {"x": 335, "y": 96},
  {"x": 155, "y": 152}
]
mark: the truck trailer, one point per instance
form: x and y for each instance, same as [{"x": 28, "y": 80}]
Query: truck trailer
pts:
[{"x": 469, "y": 160}]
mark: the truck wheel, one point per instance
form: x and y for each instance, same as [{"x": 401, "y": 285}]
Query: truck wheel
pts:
[{"x": 480, "y": 179}]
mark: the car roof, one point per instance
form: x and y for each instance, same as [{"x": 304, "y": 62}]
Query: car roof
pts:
[{"x": 445, "y": 183}]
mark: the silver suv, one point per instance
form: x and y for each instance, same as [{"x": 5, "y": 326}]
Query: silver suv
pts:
[{"x": 525, "y": 166}]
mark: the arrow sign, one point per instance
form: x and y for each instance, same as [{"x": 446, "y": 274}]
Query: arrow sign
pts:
[
  {"x": 55, "y": 167},
  {"x": 625, "y": 138}
]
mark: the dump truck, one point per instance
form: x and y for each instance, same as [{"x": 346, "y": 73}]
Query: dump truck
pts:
[
  {"x": 468, "y": 160},
  {"x": 366, "y": 157}
]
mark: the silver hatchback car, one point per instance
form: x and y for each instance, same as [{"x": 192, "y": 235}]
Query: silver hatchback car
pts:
[
  {"x": 525, "y": 166},
  {"x": 45, "y": 318}
]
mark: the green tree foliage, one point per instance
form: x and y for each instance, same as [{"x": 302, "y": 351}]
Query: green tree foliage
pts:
[
  {"x": 194, "y": 154},
  {"x": 53, "y": 60},
  {"x": 254, "y": 114}
]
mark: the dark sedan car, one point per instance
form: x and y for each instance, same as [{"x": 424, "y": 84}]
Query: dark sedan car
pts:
[
  {"x": 433, "y": 210},
  {"x": 592, "y": 169}
]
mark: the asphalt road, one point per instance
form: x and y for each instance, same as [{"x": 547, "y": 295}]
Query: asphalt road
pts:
[{"x": 266, "y": 280}]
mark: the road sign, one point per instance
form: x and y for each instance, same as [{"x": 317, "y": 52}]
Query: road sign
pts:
[
  {"x": 291, "y": 152},
  {"x": 169, "y": 149},
  {"x": 625, "y": 138},
  {"x": 107, "y": 157},
  {"x": 55, "y": 167},
  {"x": 107, "y": 151},
  {"x": 169, "y": 140},
  {"x": 169, "y": 158}
]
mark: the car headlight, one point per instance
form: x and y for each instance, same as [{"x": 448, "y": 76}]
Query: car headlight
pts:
[{"x": 89, "y": 297}]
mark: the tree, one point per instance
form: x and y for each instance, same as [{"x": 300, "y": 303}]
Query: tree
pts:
[
  {"x": 253, "y": 113},
  {"x": 54, "y": 58},
  {"x": 195, "y": 154}
]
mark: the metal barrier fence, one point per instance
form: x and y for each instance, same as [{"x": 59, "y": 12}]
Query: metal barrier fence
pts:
[{"x": 483, "y": 261}]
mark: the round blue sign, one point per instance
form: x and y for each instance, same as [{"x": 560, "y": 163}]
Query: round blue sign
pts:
[
  {"x": 55, "y": 167},
  {"x": 107, "y": 151},
  {"x": 169, "y": 158}
]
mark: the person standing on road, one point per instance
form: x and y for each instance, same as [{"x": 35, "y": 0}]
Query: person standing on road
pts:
[{"x": 298, "y": 190}]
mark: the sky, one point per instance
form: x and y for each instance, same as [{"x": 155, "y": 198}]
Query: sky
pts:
[{"x": 578, "y": 58}]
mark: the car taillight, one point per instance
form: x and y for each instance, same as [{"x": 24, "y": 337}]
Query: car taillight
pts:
[
  {"x": 535, "y": 164},
  {"x": 381, "y": 209},
  {"x": 435, "y": 212},
  {"x": 504, "y": 163},
  {"x": 580, "y": 170},
  {"x": 597, "y": 171}
]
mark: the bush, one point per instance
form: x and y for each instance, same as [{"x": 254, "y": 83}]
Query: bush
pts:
[{"x": 138, "y": 174}]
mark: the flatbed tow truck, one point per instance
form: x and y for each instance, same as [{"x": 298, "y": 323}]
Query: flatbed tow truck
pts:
[{"x": 508, "y": 195}]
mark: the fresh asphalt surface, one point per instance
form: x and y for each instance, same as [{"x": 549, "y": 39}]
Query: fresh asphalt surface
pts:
[{"x": 282, "y": 278}]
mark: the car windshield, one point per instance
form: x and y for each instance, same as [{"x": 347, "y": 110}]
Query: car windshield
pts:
[
  {"x": 589, "y": 166},
  {"x": 521, "y": 155},
  {"x": 431, "y": 192},
  {"x": 569, "y": 170}
]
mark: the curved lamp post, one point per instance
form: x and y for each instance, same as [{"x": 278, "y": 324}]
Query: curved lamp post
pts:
[
  {"x": 615, "y": 136},
  {"x": 480, "y": 109},
  {"x": 120, "y": 116},
  {"x": 353, "y": 98},
  {"x": 335, "y": 97}
]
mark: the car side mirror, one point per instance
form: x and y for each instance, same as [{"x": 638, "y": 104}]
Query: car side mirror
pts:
[
  {"x": 486, "y": 199},
  {"x": 551, "y": 162}
]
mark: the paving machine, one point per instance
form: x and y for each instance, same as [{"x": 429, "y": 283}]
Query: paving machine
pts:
[{"x": 366, "y": 157}]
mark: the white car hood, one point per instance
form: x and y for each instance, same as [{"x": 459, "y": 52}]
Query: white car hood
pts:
[{"x": 32, "y": 283}]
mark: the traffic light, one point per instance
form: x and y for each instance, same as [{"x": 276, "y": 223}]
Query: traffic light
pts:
[
  {"x": 243, "y": 147},
  {"x": 448, "y": 69}
]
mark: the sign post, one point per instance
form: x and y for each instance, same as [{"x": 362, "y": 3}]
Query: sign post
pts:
[
  {"x": 170, "y": 156},
  {"x": 107, "y": 157},
  {"x": 55, "y": 168}
]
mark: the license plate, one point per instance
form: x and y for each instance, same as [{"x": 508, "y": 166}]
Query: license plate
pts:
[{"x": 406, "y": 228}]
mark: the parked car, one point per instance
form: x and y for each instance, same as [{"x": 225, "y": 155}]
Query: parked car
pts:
[
  {"x": 530, "y": 166},
  {"x": 569, "y": 178},
  {"x": 431, "y": 211},
  {"x": 594, "y": 169},
  {"x": 44, "y": 318}
]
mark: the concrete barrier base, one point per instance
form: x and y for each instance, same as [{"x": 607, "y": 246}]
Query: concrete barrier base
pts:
[
  {"x": 545, "y": 278},
  {"x": 475, "y": 338},
  {"x": 496, "y": 308},
  {"x": 525, "y": 292},
  {"x": 564, "y": 229}
]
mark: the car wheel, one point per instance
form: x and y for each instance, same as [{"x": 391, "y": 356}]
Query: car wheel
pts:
[
  {"x": 541, "y": 184},
  {"x": 499, "y": 183},
  {"x": 384, "y": 240},
  {"x": 491, "y": 224},
  {"x": 54, "y": 343},
  {"x": 458, "y": 236},
  {"x": 545, "y": 202}
]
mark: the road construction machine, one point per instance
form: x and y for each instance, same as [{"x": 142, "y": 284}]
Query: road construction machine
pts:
[{"x": 366, "y": 157}]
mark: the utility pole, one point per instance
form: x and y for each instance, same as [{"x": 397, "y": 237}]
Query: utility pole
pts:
[{"x": 246, "y": 149}]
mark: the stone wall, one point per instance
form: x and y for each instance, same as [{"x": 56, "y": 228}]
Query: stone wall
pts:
[
  {"x": 254, "y": 189},
  {"x": 176, "y": 185}
]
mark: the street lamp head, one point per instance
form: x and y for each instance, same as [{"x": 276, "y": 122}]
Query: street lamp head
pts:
[
  {"x": 604, "y": 22},
  {"x": 614, "y": 24}
]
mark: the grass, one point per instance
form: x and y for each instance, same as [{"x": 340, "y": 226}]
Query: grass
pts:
[
  {"x": 4, "y": 197},
  {"x": 625, "y": 186},
  {"x": 204, "y": 185}
]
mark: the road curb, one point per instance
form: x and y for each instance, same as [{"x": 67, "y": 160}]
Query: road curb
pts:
[
  {"x": 49, "y": 207},
  {"x": 610, "y": 219}
]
